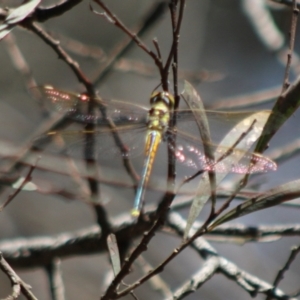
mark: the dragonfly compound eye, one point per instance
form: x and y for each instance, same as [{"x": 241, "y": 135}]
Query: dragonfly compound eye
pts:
[{"x": 162, "y": 97}]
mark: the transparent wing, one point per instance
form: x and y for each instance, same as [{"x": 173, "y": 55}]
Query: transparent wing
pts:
[
  {"x": 220, "y": 122},
  {"x": 100, "y": 144},
  {"x": 76, "y": 106},
  {"x": 189, "y": 152}
]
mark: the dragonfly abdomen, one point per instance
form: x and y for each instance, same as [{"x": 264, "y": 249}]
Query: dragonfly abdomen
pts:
[{"x": 153, "y": 140}]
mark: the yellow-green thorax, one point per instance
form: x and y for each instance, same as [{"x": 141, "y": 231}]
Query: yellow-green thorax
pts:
[{"x": 162, "y": 105}]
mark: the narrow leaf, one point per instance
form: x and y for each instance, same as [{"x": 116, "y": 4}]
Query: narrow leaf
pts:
[
  {"x": 202, "y": 193},
  {"x": 286, "y": 104},
  {"x": 195, "y": 103},
  {"x": 114, "y": 253},
  {"x": 278, "y": 195}
]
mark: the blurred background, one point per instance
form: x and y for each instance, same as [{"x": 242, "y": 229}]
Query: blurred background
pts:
[{"x": 218, "y": 41}]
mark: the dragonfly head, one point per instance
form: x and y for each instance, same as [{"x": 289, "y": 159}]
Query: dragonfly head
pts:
[
  {"x": 164, "y": 98},
  {"x": 162, "y": 104}
]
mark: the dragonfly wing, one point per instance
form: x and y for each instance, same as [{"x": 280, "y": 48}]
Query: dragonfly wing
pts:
[
  {"x": 61, "y": 102},
  {"x": 99, "y": 144},
  {"x": 220, "y": 122},
  {"x": 227, "y": 160},
  {"x": 76, "y": 106},
  {"x": 264, "y": 164},
  {"x": 122, "y": 113}
]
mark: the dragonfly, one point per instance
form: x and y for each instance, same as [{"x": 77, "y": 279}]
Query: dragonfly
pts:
[{"x": 153, "y": 124}]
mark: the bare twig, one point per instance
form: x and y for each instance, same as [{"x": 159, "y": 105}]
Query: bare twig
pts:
[
  {"x": 112, "y": 18},
  {"x": 54, "y": 44},
  {"x": 241, "y": 233},
  {"x": 248, "y": 282},
  {"x": 40, "y": 251},
  {"x": 18, "y": 60},
  {"x": 158, "y": 284},
  {"x": 173, "y": 53},
  {"x": 280, "y": 275},
  {"x": 55, "y": 279},
  {"x": 209, "y": 268},
  {"x": 176, "y": 20},
  {"x": 17, "y": 283},
  {"x": 141, "y": 247},
  {"x": 80, "y": 48},
  {"x": 100, "y": 211},
  {"x": 125, "y": 45},
  {"x": 148, "y": 70},
  {"x": 295, "y": 13},
  {"x": 20, "y": 188}
]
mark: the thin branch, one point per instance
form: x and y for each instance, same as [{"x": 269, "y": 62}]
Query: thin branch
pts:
[
  {"x": 252, "y": 233},
  {"x": 17, "y": 283},
  {"x": 251, "y": 284},
  {"x": 162, "y": 265},
  {"x": 18, "y": 60},
  {"x": 79, "y": 48},
  {"x": 112, "y": 18},
  {"x": 54, "y": 273},
  {"x": 148, "y": 70},
  {"x": 20, "y": 188},
  {"x": 173, "y": 56},
  {"x": 167, "y": 200},
  {"x": 157, "y": 283},
  {"x": 54, "y": 44},
  {"x": 280, "y": 275},
  {"x": 147, "y": 237},
  {"x": 248, "y": 282},
  {"x": 91, "y": 166},
  {"x": 125, "y": 45},
  {"x": 41, "y": 251},
  {"x": 208, "y": 269},
  {"x": 295, "y": 13},
  {"x": 100, "y": 211},
  {"x": 176, "y": 33}
]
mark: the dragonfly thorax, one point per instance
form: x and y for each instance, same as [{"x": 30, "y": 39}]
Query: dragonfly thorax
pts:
[
  {"x": 162, "y": 104},
  {"x": 162, "y": 97}
]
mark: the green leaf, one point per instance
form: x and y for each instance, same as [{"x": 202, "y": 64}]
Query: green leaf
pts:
[
  {"x": 195, "y": 103},
  {"x": 203, "y": 189},
  {"x": 285, "y": 106},
  {"x": 278, "y": 195}
]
